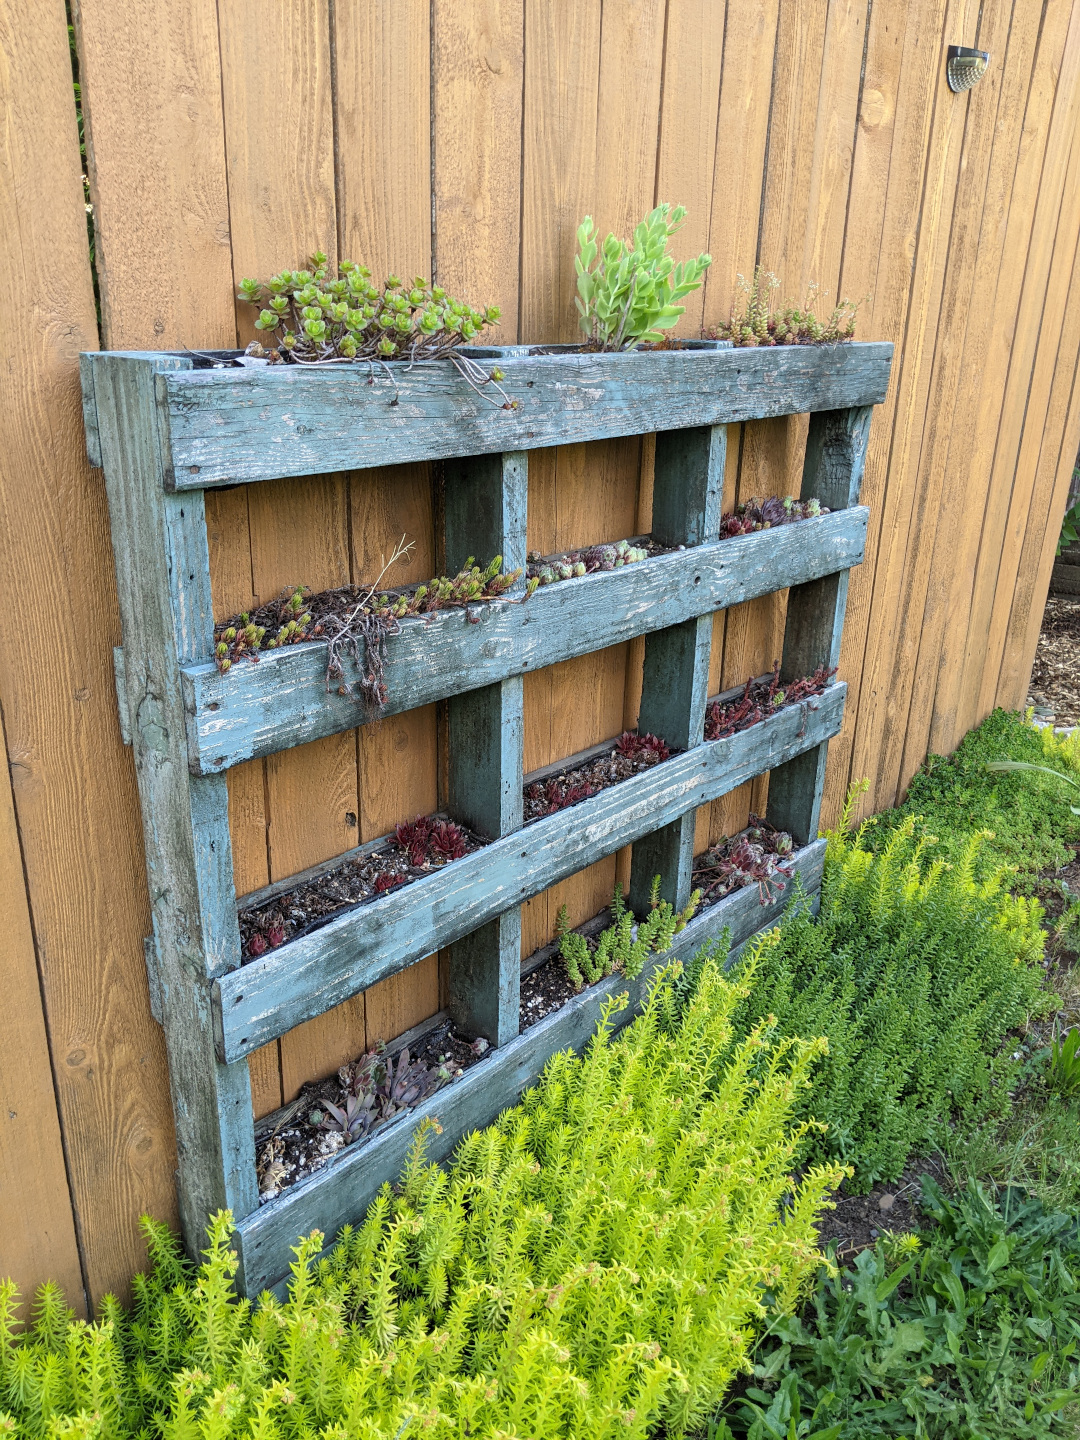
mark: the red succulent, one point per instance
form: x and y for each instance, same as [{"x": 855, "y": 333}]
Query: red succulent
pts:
[
  {"x": 447, "y": 841},
  {"x": 387, "y": 881}
]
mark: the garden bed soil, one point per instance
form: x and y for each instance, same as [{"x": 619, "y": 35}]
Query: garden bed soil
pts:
[
  {"x": 545, "y": 990},
  {"x": 857, "y": 1220},
  {"x": 1054, "y": 690},
  {"x": 610, "y": 764},
  {"x": 365, "y": 877}
]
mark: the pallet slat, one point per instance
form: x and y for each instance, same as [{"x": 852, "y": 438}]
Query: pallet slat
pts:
[
  {"x": 239, "y": 426},
  {"x": 344, "y": 1188},
  {"x": 307, "y": 976},
  {"x": 259, "y": 709}
]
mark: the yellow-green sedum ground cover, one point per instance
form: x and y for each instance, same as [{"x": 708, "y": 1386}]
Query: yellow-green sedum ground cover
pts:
[{"x": 626, "y": 1253}]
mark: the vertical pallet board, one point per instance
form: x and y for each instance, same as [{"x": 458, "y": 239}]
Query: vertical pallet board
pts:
[
  {"x": 832, "y": 471},
  {"x": 687, "y": 488},
  {"x": 485, "y": 513},
  {"x": 163, "y": 579}
]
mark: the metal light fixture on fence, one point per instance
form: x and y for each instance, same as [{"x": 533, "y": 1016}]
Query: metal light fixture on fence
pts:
[{"x": 965, "y": 67}]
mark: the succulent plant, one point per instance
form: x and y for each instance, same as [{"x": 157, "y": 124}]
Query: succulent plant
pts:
[
  {"x": 761, "y": 856},
  {"x": 761, "y": 324},
  {"x": 426, "y": 840},
  {"x": 756, "y": 514},
  {"x": 575, "y": 563},
  {"x": 313, "y": 315},
  {"x": 628, "y": 292},
  {"x": 762, "y": 698}
]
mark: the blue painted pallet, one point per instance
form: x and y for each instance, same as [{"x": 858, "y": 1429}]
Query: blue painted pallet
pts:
[
  {"x": 164, "y": 430},
  {"x": 283, "y": 700}
]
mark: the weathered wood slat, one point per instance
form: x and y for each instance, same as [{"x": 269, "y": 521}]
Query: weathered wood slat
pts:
[
  {"x": 163, "y": 584},
  {"x": 687, "y": 489},
  {"x": 485, "y": 510},
  {"x": 832, "y": 471},
  {"x": 307, "y": 976},
  {"x": 342, "y": 1191},
  {"x": 258, "y": 709},
  {"x": 237, "y": 426}
]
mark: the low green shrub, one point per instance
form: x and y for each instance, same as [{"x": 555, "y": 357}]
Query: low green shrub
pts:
[
  {"x": 915, "y": 971},
  {"x": 1030, "y": 822},
  {"x": 592, "y": 1264},
  {"x": 974, "y": 1338}
]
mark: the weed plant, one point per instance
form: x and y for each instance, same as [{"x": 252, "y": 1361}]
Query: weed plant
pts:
[
  {"x": 591, "y": 1264},
  {"x": 971, "y": 1334},
  {"x": 915, "y": 971}
]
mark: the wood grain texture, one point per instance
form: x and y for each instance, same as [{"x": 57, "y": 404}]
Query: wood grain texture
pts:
[
  {"x": 476, "y": 127},
  {"x": 990, "y": 147},
  {"x": 36, "y": 1212},
  {"x": 307, "y": 976},
  {"x": 911, "y": 508},
  {"x": 1040, "y": 338},
  {"x": 587, "y": 117},
  {"x": 686, "y": 150},
  {"x": 562, "y": 49},
  {"x": 1015, "y": 195},
  {"x": 1059, "y": 443},
  {"x": 244, "y": 425},
  {"x": 343, "y": 1189},
  {"x": 72, "y": 780},
  {"x": 280, "y": 140},
  {"x": 163, "y": 583},
  {"x": 901, "y": 74},
  {"x": 382, "y": 118},
  {"x": 161, "y": 206}
]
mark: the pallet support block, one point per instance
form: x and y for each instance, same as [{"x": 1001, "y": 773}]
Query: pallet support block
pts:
[
  {"x": 485, "y": 513},
  {"x": 687, "y": 489},
  {"x": 832, "y": 471}
]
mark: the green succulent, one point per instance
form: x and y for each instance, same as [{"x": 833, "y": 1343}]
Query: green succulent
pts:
[
  {"x": 628, "y": 293},
  {"x": 313, "y": 316}
]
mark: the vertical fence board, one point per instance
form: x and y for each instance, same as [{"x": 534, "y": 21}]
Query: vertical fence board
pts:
[
  {"x": 35, "y": 1204},
  {"x": 955, "y": 546},
  {"x": 1049, "y": 274},
  {"x": 383, "y": 125},
  {"x": 73, "y": 783}
]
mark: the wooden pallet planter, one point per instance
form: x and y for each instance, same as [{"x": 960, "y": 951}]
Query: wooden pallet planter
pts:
[
  {"x": 344, "y": 1188},
  {"x": 164, "y": 431}
]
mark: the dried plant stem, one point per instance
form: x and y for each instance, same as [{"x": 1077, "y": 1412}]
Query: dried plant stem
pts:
[{"x": 360, "y": 625}]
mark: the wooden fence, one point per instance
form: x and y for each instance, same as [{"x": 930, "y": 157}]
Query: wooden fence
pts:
[{"x": 467, "y": 138}]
